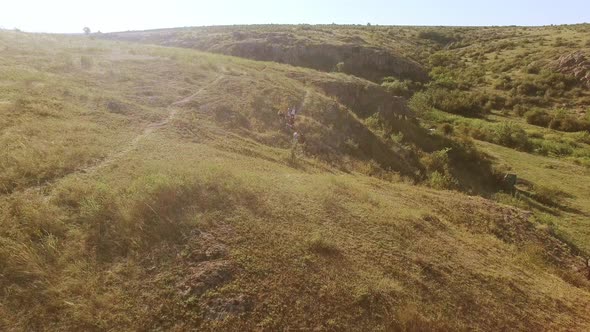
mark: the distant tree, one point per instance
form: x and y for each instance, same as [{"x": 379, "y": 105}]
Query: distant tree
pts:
[{"x": 86, "y": 30}]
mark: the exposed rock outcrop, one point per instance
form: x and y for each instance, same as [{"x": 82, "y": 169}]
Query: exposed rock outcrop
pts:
[
  {"x": 366, "y": 99},
  {"x": 575, "y": 64},
  {"x": 349, "y": 55},
  {"x": 370, "y": 63}
]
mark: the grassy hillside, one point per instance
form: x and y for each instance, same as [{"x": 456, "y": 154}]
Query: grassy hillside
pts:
[
  {"x": 155, "y": 188},
  {"x": 537, "y": 75},
  {"x": 369, "y": 53},
  {"x": 524, "y": 88},
  {"x": 518, "y": 66}
]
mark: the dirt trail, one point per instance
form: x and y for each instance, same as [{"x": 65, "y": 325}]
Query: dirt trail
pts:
[
  {"x": 148, "y": 130},
  {"x": 305, "y": 99}
]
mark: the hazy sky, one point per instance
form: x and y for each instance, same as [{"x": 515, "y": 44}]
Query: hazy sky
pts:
[{"x": 118, "y": 15}]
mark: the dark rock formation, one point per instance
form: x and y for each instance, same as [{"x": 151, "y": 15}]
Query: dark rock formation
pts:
[
  {"x": 370, "y": 63},
  {"x": 351, "y": 55},
  {"x": 575, "y": 64},
  {"x": 366, "y": 99}
]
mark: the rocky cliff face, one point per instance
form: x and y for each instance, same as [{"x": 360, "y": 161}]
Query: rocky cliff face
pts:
[
  {"x": 351, "y": 56},
  {"x": 366, "y": 99},
  {"x": 575, "y": 64},
  {"x": 370, "y": 63}
]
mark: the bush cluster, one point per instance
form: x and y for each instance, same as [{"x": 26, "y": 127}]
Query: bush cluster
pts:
[
  {"x": 397, "y": 87},
  {"x": 437, "y": 36},
  {"x": 506, "y": 134},
  {"x": 439, "y": 170},
  {"x": 454, "y": 101},
  {"x": 560, "y": 120},
  {"x": 546, "y": 84}
]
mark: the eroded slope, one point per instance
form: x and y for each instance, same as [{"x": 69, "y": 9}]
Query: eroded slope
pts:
[{"x": 195, "y": 213}]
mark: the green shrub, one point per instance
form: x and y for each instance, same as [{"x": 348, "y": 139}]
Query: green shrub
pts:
[
  {"x": 454, "y": 101},
  {"x": 510, "y": 199},
  {"x": 505, "y": 83},
  {"x": 493, "y": 102},
  {"x": 583, "y": 136},
  {"x": 374, "y": 123},
  {"x": 479, "y": 132},
  {"x": 436, "y": 36},
  {"x": 529, "y": 89},
  {"x": 446, "y": 129},
  {"x": 520, "y": 110},
  {"x": 561, "y": 123},
  {"x": 442, "y": 78},
  {"x": 511, "y": 135},
  {"x": 441, "y": 181},
  {"x": 437, "y": 161},
  {"x": 397, "y": 87},
  {"x": 538, "y": 118},
  {"x": 439, "y": 168},
  {"x": 560, "y": 120},
  {"x": 442, "y": 59},
  {"x": 547, "y": 84},
  {"x": 567, "y": 122},
  {"x": 536, "y": 134},
  {"x": 549, "y": 147}
]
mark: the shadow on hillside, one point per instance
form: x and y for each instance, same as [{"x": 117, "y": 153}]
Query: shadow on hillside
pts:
[
  {"x": 335, "y": 125},
  {"x": 531, "y": 202},
  {"x": 554, "y": 208},
  {"x": 473, "y": 169},
  {"x": 370, "y": 102}
]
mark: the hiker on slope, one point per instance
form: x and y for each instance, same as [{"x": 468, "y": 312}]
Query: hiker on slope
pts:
[
  {"x": 286, "y": 116},
  {"x": 298, "y": 138},
  {"x": 290, "y": 118}
]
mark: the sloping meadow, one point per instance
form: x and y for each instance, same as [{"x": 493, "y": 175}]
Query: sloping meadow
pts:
[
  {"x": 221, "y": 240},
  {"x": 188, "y": 205}
]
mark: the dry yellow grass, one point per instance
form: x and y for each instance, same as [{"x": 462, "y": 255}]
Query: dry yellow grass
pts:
[{"x": 202, "y": 220}]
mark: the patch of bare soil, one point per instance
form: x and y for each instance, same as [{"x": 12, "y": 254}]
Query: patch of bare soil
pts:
[
  {"x": 206, "y": 266},
  {"x": 205, "y": 276},
  {"x": 222, "y": 308}
]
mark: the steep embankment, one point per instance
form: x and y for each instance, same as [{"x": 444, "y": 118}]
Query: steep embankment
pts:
[
  {"x": 576, "y": 65},
  {"x": 208, "y": 218},
  {"x": 322, "y": 49}
]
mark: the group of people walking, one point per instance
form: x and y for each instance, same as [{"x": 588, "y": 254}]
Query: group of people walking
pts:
[{"x": 289, "y": 118}]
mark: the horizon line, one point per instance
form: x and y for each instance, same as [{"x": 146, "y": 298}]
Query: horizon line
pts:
[{"x": 366, "y": 25}]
